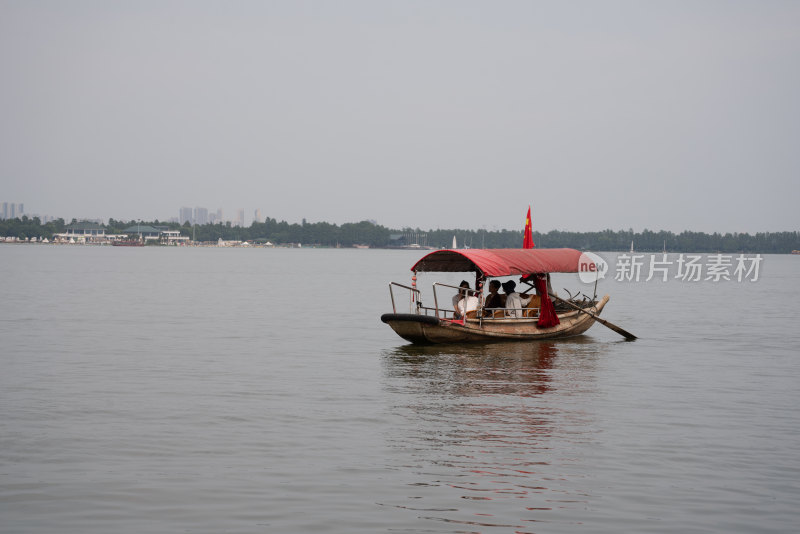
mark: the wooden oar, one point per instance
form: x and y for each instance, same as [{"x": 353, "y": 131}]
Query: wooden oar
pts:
[{"x": 624, "y": 333}]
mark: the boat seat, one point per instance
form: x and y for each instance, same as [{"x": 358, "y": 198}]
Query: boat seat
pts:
[{"x": 532, "y": 308}]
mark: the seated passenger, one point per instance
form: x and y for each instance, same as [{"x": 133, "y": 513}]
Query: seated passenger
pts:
[
  {"x": 460, "y": 295},
  {"x": 464, "y": 302},
  {"x": 469, "y": 306},
  {"x": 514, "y": 301},
  {"x": 494, "y": 300}
]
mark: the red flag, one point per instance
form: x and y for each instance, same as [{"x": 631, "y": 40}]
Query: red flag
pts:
[{"x": 527, "y": 240}]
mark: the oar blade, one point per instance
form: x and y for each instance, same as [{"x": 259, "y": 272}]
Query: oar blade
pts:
[{"x": 624, "y": 333}]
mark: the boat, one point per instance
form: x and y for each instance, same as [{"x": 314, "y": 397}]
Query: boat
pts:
[
  {"x": 439, "y": 324},
  {"x": 128, "y": 243}
]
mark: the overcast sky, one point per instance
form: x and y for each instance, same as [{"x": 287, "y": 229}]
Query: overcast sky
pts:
[{"x": 662, "y": 115}]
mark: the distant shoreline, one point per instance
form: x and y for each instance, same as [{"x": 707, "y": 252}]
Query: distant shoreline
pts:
[
  {"x": 367, "y": 234},
  {"x": 324, "y": 247}
]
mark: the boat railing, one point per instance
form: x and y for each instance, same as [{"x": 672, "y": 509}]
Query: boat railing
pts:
[
  {"x": 447, "y": 313},
  {"x": 483, "y": 314},
  {"x": 414, "y": 301},
  {"x": 490, "y": 314}
]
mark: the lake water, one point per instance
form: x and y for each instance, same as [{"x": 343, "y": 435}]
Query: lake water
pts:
[{"x": 256, "y": 390}]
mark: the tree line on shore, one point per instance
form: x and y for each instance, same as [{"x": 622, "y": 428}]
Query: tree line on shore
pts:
[{"x": 366, "y": 233}]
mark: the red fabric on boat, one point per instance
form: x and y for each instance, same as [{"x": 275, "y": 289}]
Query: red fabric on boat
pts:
[
  {"x": 547, "y": 312},
  {"x": 501, "y": 261}
]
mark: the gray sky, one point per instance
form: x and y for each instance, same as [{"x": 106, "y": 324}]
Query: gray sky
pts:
[{"x": 662, "y": 115}]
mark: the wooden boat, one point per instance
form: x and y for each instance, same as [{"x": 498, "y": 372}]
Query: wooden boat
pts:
[
  {"x": 439, "y": 324},
  {"x": 128, "y": 243}
]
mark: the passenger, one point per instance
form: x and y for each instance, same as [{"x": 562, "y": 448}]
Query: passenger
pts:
[
  {"x": 464, "y": 302},
  {"x": 458, "y": 296},
  {"x": 493, "y": 299},
  {"x": 514, "y": 301}
]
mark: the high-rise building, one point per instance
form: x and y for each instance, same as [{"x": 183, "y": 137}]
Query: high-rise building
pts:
[
  {"x": 201, "y": 216},
  {"x": 10, "y": 210},
  {"x": 186, "y": 216},
  {"x": 239, "y": 218},
  {"x": 257, "y": 216}
]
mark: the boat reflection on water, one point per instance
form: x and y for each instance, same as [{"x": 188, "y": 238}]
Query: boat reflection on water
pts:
[
  {"x": 485, "y": 431},
  {"x": 507, "y": 368}
]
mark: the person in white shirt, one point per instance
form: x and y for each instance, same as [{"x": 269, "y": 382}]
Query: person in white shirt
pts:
[
  {"x": 514, "y": 301},
  {"x": 463, "y": 301}
]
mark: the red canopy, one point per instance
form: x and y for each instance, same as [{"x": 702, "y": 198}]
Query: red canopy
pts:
[{"x": 501, "y": 261}]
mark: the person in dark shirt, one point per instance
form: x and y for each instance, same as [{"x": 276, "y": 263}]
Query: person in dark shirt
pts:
[{"x": 494, "y": 299}]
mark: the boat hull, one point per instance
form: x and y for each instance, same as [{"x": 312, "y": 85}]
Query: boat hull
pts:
[{"x": 428, "y": 329}]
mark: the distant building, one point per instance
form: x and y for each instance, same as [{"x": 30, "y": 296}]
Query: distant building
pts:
[
  {"x": 85, "y": 229},
  {"x": 173, "y": 237},
  {"x": 201, "y": 216},
  {"x": 257, "y": 216},
  {"x": 146, "y": 231},
  {"x": 397, "y": 240},
  {"x": 81, "y": 232},
  {"x": 239, "y": 218},
  {"x": 215, "y": 217},
  {"x": 9, "y": 210},
  {"x": 186, "y": 215}
]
